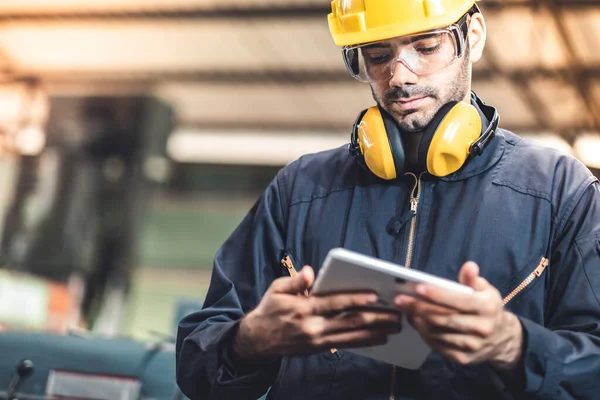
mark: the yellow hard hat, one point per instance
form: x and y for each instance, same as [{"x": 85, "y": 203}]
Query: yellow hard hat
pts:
[{"x": 353, "y": 22}]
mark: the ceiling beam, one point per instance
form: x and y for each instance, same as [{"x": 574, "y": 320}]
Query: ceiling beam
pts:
[
  {"x": 308, "y": 126},
  {"x": 527, "y": 94},
  {"x": 580, "y": 80},
  {"x": 296, "y": 12},
  {"x": 270, "y": 12},
  {"x": 281, "y": 76},
  {"x": 534, "y": 4}
]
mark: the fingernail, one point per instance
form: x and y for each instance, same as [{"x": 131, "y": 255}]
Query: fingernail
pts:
[
  {"x": 372, "y": 298},
  {"x": 399, "y": 301},
  {"x": 422, "y": 289}
]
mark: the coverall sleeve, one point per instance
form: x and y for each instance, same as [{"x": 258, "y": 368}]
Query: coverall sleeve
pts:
[
  {"x": 244, "y": 267},
  {"x": 562, "y": 359}
]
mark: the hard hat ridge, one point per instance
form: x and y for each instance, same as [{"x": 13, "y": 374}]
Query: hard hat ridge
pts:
[{"x": 353, "y": 22}]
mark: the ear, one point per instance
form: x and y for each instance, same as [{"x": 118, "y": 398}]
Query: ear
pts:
[{"x": 477, "y": 36}]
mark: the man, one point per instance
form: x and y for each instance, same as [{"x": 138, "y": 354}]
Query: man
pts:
[{"x": 518, "y": 223}]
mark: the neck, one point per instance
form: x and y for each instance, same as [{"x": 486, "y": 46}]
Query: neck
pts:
[{"x": 411, "y": 144}]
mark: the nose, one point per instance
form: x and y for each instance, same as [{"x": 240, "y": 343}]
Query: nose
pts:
[{"x": 402, "y": 75}]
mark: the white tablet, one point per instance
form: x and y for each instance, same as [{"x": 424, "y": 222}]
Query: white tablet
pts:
[{"x": 347, "y": 271}]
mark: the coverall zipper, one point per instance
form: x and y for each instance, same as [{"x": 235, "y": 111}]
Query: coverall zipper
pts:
[
  {"x": 289, "y": 264},
  {"x": 535, "y": 274},
  {"x": 414, "y": 204}
]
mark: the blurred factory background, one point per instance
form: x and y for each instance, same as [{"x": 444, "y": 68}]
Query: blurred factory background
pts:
[{"x": 135, "y": 134}]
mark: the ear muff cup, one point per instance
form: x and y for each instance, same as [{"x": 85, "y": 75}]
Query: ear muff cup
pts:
[
  {"x": 430, "y": 132},
  {"x": 446, "y": 143},
  {"x": 380, "y": 143}
]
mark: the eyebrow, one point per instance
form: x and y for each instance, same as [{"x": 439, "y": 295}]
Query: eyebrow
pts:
[
  {"x": 412, "y": 40},
  {"x": 378, "y": 46},
  {"x": 426, "y": 36}
]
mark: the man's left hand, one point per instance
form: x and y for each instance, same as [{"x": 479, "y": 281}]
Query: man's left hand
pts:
[{"x": 466, "y": 328}]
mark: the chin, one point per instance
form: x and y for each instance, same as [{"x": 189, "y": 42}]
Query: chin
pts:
[{"x": 413, "y": 123}]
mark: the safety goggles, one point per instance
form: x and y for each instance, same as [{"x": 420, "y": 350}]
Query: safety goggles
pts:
[{"x": 424, "y": 53}]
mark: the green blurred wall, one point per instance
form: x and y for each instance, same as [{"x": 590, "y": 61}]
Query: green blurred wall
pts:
[
  {"x": 177, "y": 244},
  {"x": 187, "y": 237}
]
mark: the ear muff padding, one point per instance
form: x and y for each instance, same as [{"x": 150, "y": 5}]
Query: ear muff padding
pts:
[{"x": 395, "y": 140}]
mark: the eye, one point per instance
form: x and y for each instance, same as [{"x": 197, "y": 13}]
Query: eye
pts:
[
  {"x": 429, "y": 45},
  {"x": 377, "y": 56},
  {"x": 428, "y": 50}
]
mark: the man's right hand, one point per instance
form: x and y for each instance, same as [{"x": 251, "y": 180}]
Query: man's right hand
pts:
[{"x": 286, "y": 324}]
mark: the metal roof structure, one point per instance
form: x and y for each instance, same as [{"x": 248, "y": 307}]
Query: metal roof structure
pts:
[{"x": 271, "y": 65}]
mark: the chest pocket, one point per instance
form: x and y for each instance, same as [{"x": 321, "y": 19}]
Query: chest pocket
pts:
[
  {"x": 525, "y": 294},
  {"x": 288, "y": 261},
  {"x": 309, "y": 376},
  {"x": 536, "y": 273}
]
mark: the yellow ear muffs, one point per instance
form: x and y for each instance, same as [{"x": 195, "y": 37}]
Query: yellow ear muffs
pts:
[
  {"x": 454, "y": 135},
  {"x": 446, "y": 144},
  {"x": 376, "y": 137}
]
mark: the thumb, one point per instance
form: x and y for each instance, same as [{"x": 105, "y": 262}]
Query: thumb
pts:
[
  {"x": 469, "y": 275},
  {"x": 295, "y": 284}
]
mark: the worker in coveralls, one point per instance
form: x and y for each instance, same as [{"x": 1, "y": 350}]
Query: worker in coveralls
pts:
[{"x": 429, "y": 181}]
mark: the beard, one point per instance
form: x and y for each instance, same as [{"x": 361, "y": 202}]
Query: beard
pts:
[{"x": 416, "y": 121}]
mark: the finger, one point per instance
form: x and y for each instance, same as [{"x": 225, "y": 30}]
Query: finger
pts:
[
  {"x": 461, "y": 302},
  {"x": 353, "y": 339},
  {"x": 474, "y": 303},
  {"x": 456, "y": 354},
  {"x": 336, "y": 303},
  {"x": 457, "y": 323},
  {"x": 296, "y": 284},
  {"x": 425, "y": 328},
  {"x": 469, "y": 275},
  {"x": 455, "y": 341},
  {"x": 413, "y": 305},
  {"x": 420, "y": 325},
  {"x": 364, "y": 320}
]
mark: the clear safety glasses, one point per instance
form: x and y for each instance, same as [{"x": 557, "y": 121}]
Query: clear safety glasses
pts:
[{"x": 423, "y": 53}]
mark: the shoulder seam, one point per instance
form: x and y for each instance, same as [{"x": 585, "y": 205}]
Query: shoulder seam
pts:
[
  {"x": 585, "y": 271},
  {"x": 511, "y": 185},
  {"x": 319, "y": 196},
  {"x": 581, "y": 191},
  {"x": 282, "y": 195},
  {"x": 524, "y": 190}
]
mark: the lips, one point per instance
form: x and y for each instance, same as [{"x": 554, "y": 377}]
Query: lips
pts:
[{"x": 409, "y": 104}]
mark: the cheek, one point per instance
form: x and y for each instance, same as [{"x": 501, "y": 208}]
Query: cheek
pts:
[{"x": 378, "y": 91}]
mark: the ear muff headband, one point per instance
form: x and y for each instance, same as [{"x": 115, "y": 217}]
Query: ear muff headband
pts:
[{"x": 494, "y": 120}]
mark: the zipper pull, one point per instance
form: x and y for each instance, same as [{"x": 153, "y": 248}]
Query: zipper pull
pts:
[
  {"x": 414, "y": 203},
  {"x": 394, "y": 226},
  {"x": 540, "y": 268},
  {"x": 287, "y": 262}
]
